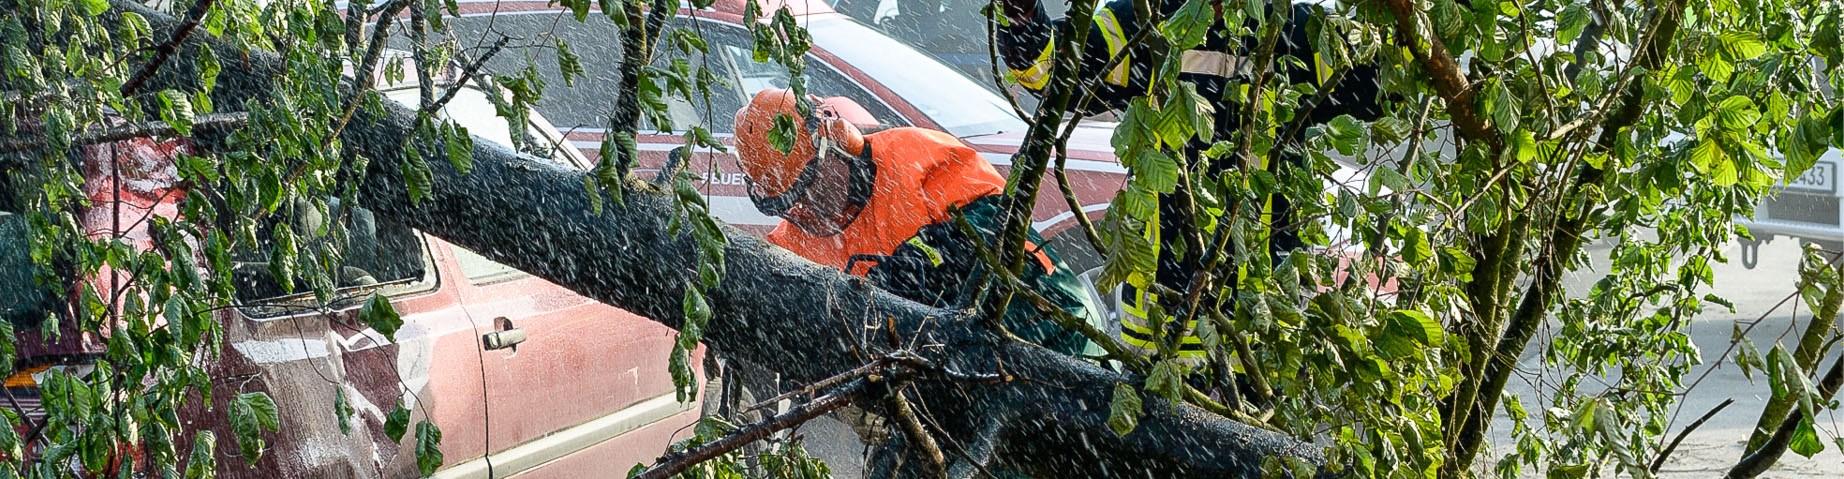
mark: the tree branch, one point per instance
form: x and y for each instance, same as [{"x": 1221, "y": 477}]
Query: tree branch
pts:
[
  {"x": 1666, "y": 453},
  {"x": 1806, "y": 356},
  {"x": 1561, "y": 244},
  {"x": 165, "y": 50},
  {"x": 1431, "y": 53},
  {"x": 213, "y": 121},
  {"x": 1757, "y": 462}
]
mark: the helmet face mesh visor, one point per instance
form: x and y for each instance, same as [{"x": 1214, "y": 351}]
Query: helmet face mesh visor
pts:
[{"x": 779, "y": 205}]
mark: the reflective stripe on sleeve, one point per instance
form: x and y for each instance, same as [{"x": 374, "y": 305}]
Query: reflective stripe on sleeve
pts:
[
  {"x": 1117, "y": 44},
  {"x": 1205, "y": 62},
  {"x": 1038, "y": 74}
]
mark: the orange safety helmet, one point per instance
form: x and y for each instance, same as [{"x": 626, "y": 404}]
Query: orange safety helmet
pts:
[{"x": 767, "y": 168}]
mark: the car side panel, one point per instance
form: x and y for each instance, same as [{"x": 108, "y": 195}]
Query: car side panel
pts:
[
  {"x": 304, "y": 362},
  {"x": 581, "y": 360}
]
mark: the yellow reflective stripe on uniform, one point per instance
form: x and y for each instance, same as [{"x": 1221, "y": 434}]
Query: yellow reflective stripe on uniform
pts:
[
  {"x": 1321, "y": 71},
  {"x": 1117, "y": 43},
  {"x": 1038, "y": 74},
  {"x": 1135, "y": 330},
  {"x": 1267, "y": 201},
  {"x": 934, "y": 257}
]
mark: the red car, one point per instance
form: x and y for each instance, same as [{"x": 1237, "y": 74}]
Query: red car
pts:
[{"x": 522, "y": 376}]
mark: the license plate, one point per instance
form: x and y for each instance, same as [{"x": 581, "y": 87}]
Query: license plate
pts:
[{"x": 1822, "y": 177}]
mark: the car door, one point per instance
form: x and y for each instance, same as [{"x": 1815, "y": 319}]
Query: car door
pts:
[
  {"x": 314, "y": 358},
  {"x": 570, "y": 384}
]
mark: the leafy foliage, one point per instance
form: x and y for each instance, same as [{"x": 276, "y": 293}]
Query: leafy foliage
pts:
[{"x": 1573, "y": 123}]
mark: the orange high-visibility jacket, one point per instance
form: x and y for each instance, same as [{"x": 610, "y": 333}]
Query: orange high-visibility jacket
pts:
[{"x": 921, "y": 174}]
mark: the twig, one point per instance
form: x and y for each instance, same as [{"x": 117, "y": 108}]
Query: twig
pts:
[
  {"x": 1666, "y": 453},
  {"x": 933, "y": 461},
  {"x": 858, "y": 372},
  {"x": 124, "y": 132},
  {"x": 166, "y": 50},
  {"x": 672, "y": 464},
  {"x": 468, "y": 73},
  {"x": 1757, "y": 462},
  {"x": 1069, "y": 195}
]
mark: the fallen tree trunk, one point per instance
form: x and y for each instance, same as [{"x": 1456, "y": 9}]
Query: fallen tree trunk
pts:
[{"x": 771, "y": 308}]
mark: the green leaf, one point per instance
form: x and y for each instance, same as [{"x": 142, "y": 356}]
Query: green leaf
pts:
[
  {"x": 1716, "y": 68},
  {"x": 1415, "y": 247},
  {"x": 208, "y": 67},
  {"x": 1504, "y": 109},
  {"x": 460, "y": 148},
  {"x": 781, "y": 136},
  {"x": 1724, "y": 174},
  {"x": 1167, "y": 380},
  {"x": 568, "y": 64},
  {"x": 1406, "y": 332},
  {"x": 1742, "y": 46},
  {"x": 1157, "y": 170},
  {"x": 1805, "y": 439},
  {"x": 679, "y": 364},
  {"x": 176, "y": 111},
  {"x": 1421, "y": 327},
  {"x": 397, "y": 423},
  {"x": 616, "y": 10},
  {"x": 203, "y": 463},
  {"x": 264, "y": 408},
  {"x": 580, "y": 9},
  {"x": 1738, "y": 113},
  {"x": 1125, "y": 410},
  {"x": 95, "y": 7},
  {"x": 282, "y": 257},
  {"x": 1525, "y": 144},
  {"x": 594, "y": 192},
  {"x": 1187, "y": 26},
  {"x": 342, "y": 410},
  {"x": 250, "y": 413},
  {"x": 1570, "y": 22},
  {"x": 697, "y": 313},
  {"x": 428, "y": 446},
  {"x": 381, "y": 316},
  {"x": 418, "y": 181},
  {"x": 1346, "y": 134},
  {"x": 1707, "y": 154}
]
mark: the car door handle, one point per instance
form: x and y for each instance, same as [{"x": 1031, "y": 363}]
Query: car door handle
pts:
[{"x": 502, "y": 339}]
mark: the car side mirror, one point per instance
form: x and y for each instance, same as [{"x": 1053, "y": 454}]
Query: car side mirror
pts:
[{"x": 852, "y": 112}]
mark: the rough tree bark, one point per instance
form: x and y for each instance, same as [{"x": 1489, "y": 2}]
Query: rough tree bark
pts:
[{"x": 772, "y": 307}]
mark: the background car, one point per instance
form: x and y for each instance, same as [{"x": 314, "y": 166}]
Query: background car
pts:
[
  {"x": 1809, "y": 208},
  {"x": 896, "y": 84},
  {"x": 568, "y": 384}
]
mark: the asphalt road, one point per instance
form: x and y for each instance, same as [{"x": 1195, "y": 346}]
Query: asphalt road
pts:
[{"x": 1706, "y": 452}]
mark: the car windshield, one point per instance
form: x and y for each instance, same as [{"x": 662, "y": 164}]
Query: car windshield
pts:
[{"x": 959, "y": 105}]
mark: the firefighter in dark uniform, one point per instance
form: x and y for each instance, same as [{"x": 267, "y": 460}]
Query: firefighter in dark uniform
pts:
[{"x": 1222, "y": 61}]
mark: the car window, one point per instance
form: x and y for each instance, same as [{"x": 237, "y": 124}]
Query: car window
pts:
[
  {"x": 742, "y": 69},
  {"x": 584, "y": 103},
  {"x": 480, "y": 270},
  {"x": 378, "y": 255},
  {"x": 471, "y": 109},
  {"x": 959, "y": 105},
  {"x": 587, "y": 104}
]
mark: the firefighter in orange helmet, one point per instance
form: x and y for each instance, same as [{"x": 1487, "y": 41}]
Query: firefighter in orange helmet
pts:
[{"x": 881, "y": 205}]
